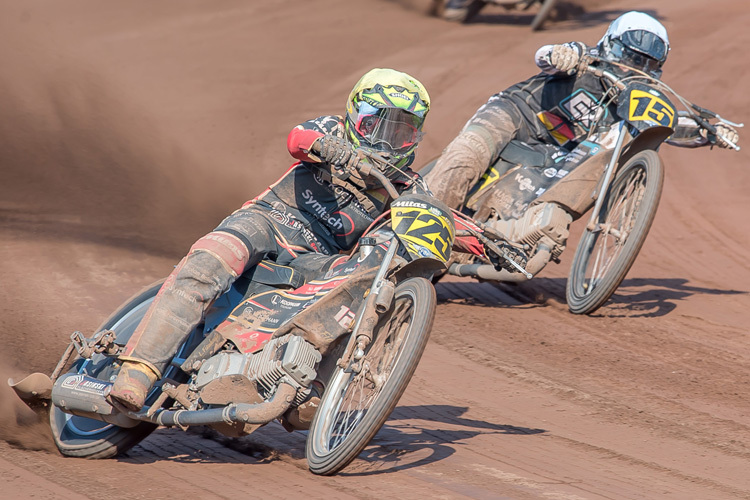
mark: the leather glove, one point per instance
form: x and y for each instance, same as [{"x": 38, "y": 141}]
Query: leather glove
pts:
[
  {"x": 722, "y": 129},
  {"x": 335, "y": 150},
  {"x": 564, "y": 57}
]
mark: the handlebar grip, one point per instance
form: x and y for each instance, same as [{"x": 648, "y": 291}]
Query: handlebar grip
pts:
[
  {"x": 705, "y": 113},
  {"x": 315, "y": 146}
]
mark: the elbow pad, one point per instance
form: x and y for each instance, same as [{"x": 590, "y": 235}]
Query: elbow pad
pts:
[{"x": 299, "y": 143}]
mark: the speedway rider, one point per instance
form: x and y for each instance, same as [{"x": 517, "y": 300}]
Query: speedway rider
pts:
[
  {"x": 555, "y": 106},
  {"x": 321, "y": 205}
]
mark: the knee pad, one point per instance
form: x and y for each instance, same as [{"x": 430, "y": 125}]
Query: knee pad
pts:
[{"x": 228, "y": 249}]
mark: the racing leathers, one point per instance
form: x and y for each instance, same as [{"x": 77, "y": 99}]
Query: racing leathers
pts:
[
  {"x": 555, "y": 107},
  {"x": 310, "y": 209}
]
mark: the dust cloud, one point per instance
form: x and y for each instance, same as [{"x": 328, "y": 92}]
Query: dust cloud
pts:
[{"x": 19, "y": 425}]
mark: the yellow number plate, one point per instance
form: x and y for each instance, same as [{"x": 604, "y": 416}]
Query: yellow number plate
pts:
[
  {"x": 645, "y": 106},
  {"x": 425, "y": 231}
]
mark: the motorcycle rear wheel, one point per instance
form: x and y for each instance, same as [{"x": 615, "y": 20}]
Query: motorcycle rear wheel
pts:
[
  {"x": 353, "y": 408},
  {"x": 90, "y": 438},
  {"x": 603, "y": 257}
]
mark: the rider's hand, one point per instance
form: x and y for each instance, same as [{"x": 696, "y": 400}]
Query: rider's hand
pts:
[
  {"x": 565, "y": 57},
  {"x": 730, "y": 134},
  {"x": 335, "y": 150}
]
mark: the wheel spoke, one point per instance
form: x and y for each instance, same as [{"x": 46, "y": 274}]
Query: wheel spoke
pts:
[
  {"x": 355, "y": 405},
  {"x": 360, "y": 391},
  {"x": 615, "y": 228},
  {"x": 606, "y": 253}
]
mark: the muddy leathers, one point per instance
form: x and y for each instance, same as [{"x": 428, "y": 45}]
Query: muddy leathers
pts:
[
  {"x": 556, "y": 107},
  {"x": 310, "y": 209}
]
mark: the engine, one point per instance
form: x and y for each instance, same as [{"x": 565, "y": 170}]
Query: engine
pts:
[
  {"x": 544, "y": 219},
  {"x": 289, "y": 357}
]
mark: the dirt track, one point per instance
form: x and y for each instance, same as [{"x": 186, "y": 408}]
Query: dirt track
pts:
[{"x": 129, "y": 130}]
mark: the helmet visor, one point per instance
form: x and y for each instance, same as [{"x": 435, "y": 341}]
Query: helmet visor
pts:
[
  {"x": 388, "y": 128},
  {"x": 646, "y": 43},
  {"x": 634, "y": 59}
]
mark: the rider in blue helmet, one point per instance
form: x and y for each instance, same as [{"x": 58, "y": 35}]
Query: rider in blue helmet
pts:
[{"x": 555, "y": 106}]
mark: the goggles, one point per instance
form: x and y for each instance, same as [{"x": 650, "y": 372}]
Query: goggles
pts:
[
  {"x": 387, "y": 129},
  {"x": 646, "y": 43},
  {"x": 635, "y": 59}
]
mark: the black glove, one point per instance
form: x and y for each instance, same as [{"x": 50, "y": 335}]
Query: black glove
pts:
[{"x": 335, "y": 150}]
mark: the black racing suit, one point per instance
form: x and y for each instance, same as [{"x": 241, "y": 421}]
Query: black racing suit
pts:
[
  {"x": 550, "y": 108},
  {"x": 308, "y": 210}
]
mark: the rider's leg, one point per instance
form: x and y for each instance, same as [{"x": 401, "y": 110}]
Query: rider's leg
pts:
[
  {"x": 475, "y": 148},
  {"x": 212, "y": 265}
]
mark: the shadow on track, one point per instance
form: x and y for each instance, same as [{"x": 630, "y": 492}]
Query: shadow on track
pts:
[
  {"x": 636, "y": 297},
  {"x": 404, "y": 443}
]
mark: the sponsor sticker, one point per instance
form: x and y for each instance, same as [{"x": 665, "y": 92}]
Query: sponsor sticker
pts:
[{"x": 82, "y": 384}]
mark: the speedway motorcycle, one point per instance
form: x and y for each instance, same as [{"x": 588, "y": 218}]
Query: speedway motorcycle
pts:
[
  {"x": 331, "y": 354},
  {"x": 544, "y": 9},
  {"x": 528, "y": 198}
]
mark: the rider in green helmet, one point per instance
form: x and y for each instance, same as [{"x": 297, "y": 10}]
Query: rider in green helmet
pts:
[
  {"x": 387, "y": 117},
  {"x": 316, "y": 211}
]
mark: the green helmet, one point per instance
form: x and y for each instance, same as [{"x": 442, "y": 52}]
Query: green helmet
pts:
[{"x": 385, "y": 112}]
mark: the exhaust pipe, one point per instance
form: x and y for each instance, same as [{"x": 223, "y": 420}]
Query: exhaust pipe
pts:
[
  {"x": 85, "y": 396},
  {"x": 488, "y": 271},
  {"x": 36, "y": 386},
  {"x": 246, "y": 413},
  {"x": 35, "y": 390}
]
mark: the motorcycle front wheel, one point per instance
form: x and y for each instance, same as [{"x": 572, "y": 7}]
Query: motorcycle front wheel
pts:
[
  {"x": 90, "y": 438},
  {"x": 356, "y": 404},
  {"x": 604, "y": 256}
]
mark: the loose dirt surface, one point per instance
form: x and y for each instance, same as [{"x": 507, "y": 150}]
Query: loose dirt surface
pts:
[{"x": 128, "y": 130}]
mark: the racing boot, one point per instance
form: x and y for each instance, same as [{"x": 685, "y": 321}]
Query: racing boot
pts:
[{"x": 133, "y": 384}]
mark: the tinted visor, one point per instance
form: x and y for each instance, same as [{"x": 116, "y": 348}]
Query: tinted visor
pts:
[
  {"x": 387, "y": 129},
  {"x": 635, "y": 59},
  {"x": 646, "y": 43}
]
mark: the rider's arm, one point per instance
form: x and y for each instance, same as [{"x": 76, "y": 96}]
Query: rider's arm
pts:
[
  {"x": 687, "y": 132},
  {"x": 299, "y": 142},
  {"x": 302, "y": 136},
  {"x": 550, "y": 58},
  {"x": 690, "y": 134}
]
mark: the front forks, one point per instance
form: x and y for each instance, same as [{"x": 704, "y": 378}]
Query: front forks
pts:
[
  {"x": 378, "y": 300},
  {"x": 621, "y": 133}
]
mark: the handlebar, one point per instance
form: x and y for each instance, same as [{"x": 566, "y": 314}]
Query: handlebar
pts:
[
  {"x": 367, "y": 163},
  {"x": 367, "y": 169},
  {"x": 602, "y": 73},
  {"x": 700, "y": 115}
]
